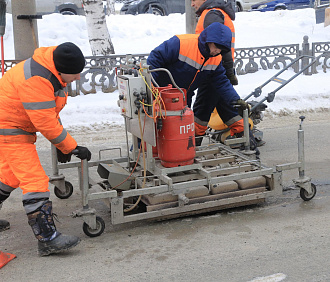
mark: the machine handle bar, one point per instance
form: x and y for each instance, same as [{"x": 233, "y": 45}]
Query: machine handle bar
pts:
[{"x": 172, "y": 79}]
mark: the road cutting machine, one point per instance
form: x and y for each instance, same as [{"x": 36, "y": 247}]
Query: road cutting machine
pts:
[{"x": 163, "y": 174}]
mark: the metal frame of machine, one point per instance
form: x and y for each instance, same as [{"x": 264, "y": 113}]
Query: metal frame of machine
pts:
[
  {"x": 219, "y": 177},
  {"x": 257, "y": 107}
]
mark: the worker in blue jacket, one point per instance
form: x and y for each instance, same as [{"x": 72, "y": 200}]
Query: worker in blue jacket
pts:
[{"x": 194, "y": 61}]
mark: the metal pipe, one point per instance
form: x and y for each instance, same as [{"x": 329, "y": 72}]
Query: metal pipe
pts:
[
  {"x": 172, "y": 79},
  {"x": 154, "y": 81},
  {"x": 127, "y": 146},
  {"x": 270, "y": 96},
  {"x": 54, "y": 160},
  {"x": 301, "y": 148},
  {"x": 85, "y": 183},
  {"x": 246, "y": 129}
]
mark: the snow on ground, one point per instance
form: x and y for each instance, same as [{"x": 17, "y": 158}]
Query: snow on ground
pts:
[{"x": 140, "y": 34}]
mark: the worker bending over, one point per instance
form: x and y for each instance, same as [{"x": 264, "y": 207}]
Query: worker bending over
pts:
[
  {"x": 194, "y": 61},
  {"x": 31, "y": 96}
]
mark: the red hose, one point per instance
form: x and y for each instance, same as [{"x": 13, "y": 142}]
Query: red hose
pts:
[{"x": 2, "y": 58}]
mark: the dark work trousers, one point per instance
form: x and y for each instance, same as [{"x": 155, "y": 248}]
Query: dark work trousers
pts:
[{"x": 206, "y": 100}]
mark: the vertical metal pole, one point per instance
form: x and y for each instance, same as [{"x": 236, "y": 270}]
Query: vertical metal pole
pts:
[
  {"x": 191, "y": 19},
  {"x": 305, "y": 51},
  {"x": 127, "y": 145},
  {"x": 301, "y": 148},
  {"x": 85, "y": 183},
  {"x": 2, "y": 57},
  {"x": 2, "y": 32},
  {"x": 54, "y": 160},
  {"x": 150, "y": 159},
  {"x": 25, "y": 35},
  {"x": 246, "y": 129}
]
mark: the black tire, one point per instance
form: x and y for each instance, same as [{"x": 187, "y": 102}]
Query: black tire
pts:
[
  {"x": 279, "y": 8},
  {"x": 156, "y": 11},
  {"x": 100, "y": 225},
  {"x": 69, "y": 12},
  {"x": 238, "y": 8},
  {"x": 66, "y": 194},
  {"x": 306, "y": 196}
]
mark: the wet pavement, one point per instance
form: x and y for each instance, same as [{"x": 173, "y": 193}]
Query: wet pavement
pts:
[{"x": 285, "y": 238}]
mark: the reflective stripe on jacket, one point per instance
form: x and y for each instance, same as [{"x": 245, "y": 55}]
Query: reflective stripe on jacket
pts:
[
  {"x": 190, "y": 54},
  {"x": 227, "y": 22},
  {"x": 187, "y": 58},
  {"x": 31, "y": 97},
  {"x": 185, "y": 55}
]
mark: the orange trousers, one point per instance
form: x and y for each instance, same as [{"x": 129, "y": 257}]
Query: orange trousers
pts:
[{"x": 20, "y": 167}]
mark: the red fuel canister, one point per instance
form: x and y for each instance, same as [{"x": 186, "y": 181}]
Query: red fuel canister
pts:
[{"x": 176, "y": 138}]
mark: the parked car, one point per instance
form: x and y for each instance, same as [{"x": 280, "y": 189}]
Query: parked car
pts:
[
  {"x": 65, "y": 7},
  {"x": 156, "y": 7},
  {"x": 284, "y": 5},
  {"x": 245, "y": 5}
]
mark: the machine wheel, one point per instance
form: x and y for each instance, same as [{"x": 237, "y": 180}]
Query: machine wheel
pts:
[
  {"x": 100, "y": 225},
  {"x": 64, "y": 195},
  {"x": 305, "y": 196}
]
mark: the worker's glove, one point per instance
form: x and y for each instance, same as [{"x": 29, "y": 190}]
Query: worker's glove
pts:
[
  {"x": 82, "y": 153},
  {"x": 231, "y": 75},
  {"x": 63, "y": 158},
  {"x": 241, "y": 105}
]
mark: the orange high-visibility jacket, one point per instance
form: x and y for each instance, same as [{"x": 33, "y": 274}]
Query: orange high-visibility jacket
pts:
[
  {"x": 31, "y": 97},
  {"x": 227, "y": 22},
  {"x": 188, "y": 59}
]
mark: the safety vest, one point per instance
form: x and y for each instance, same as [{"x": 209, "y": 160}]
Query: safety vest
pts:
[
  {"x": 190, "y": 54},
  {"x": 31, "y": 97},
  {"x": 227, "y": 22}
]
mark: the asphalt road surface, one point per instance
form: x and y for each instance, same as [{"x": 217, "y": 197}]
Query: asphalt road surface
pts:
[{"x": 284, "y": 239}]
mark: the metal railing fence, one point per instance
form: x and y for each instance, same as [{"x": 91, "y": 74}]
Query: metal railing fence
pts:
[{"x": 100, "y": 71}]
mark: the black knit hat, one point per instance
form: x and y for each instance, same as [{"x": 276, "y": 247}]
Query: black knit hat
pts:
[{"x": 68, "y": 58}]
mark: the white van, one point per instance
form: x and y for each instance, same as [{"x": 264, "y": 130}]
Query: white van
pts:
[{"x": 65, "y": 7}]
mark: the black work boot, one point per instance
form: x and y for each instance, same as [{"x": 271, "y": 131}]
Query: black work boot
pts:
[
  {"x": 50, "y": 241},
  {"x": 4, "y": 225}
]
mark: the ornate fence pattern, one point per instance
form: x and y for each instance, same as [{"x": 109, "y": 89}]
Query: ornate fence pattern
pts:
[
  {"x": 8, "y": 64},
  {"x": 321, "y": 50},
  {"x": 100, "y": 71},
  {"x": 250, "y": 60}
]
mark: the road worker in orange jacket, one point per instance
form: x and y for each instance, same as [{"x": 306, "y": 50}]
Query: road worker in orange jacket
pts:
[
  {"x": 210, "y": 11},
  {"x": 32, "y": 94}
]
